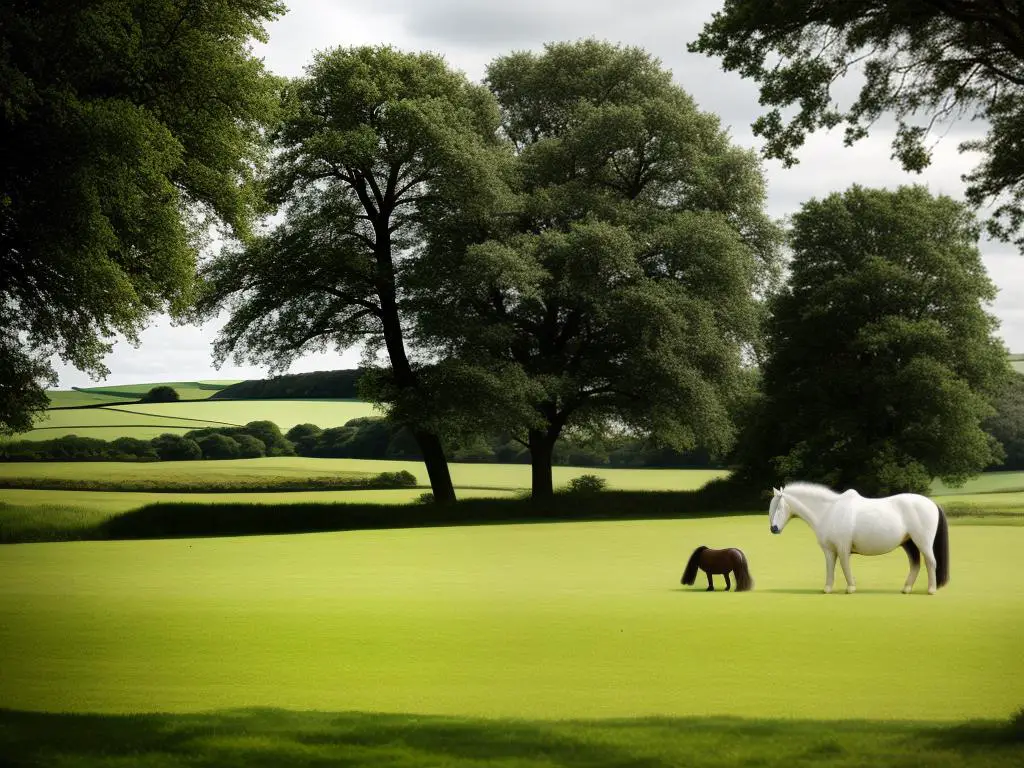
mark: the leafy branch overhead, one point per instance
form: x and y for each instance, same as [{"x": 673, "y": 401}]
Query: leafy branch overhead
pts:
[
  {"x": 924, "y": 61},
  {"x": 127, "y": 128}
]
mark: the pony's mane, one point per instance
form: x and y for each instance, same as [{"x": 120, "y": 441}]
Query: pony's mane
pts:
[{"x": 814, "y": 490}]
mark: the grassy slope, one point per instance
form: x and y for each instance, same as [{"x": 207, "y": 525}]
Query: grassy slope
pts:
[
  {"x": 149, "y": 420},
  {"x": 541, "y": 621},
  {"x": 188, "y": 390}
]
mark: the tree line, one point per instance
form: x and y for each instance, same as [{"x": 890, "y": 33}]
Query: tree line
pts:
[
  {"x": 570, "y": 246},
  {"x": 360, "y": 438}
]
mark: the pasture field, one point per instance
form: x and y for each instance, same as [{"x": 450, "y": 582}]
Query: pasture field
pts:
[
  {"x": 148, "y": 420},
  {"x": 553, "y": 621},
  {"x": 188, "y": 390}
]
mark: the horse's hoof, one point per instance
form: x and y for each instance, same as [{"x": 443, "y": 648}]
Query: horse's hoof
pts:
[
  {"x": 907, "y": 590},
  {"x": 851, "y": 589},
  {"x": 710, "y": 589},
  {"x": 931, "y": 590},
  {"x": 827, "y": 590}
]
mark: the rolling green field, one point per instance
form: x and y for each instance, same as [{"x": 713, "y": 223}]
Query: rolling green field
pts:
[
  {"x": 111, "y": 395},
  {"x": 522, "y": 621},
  {"x": 147, "y": 420}
]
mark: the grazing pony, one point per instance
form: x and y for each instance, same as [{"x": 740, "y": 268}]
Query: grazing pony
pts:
[
  {"x": 721, "y": 561},
  {"x": 847, "y": 523}
]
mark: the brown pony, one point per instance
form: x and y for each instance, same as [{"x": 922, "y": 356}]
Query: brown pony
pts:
[{"x": 721, "y": 561}]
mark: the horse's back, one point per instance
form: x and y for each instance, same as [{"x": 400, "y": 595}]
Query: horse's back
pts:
[{"x": 882, "y": 524}]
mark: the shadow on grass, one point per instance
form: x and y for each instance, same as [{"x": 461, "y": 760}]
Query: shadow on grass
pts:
[
  {"x": 269, "y": 737},
  {"x": 187, "y": 520}
]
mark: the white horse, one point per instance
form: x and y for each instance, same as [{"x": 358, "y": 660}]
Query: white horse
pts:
[{"x": 847, "y": 523}]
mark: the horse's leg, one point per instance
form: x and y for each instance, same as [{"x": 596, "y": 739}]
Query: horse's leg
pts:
[
  {"x": 711, "y": 584},
  {"x": 929, "y": 562},
  {"x": 830, "y": 569},
  {"x": 844, "y": 560},
  {"x": 914, "y": 556},
  {"x": 727, "y": 584}
]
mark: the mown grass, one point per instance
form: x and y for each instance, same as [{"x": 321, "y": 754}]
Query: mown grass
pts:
[
  {"x": 110, "y": 422},
  {"x": 147, "y": 420},
  {"x": 556, "y": 621},
  {"x": 269, "y": 738}
]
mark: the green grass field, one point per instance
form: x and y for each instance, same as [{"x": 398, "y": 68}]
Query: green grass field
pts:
[
  {"x": 188, "y": 390},
  {"x": 146, "y": 421},
  {"x": 522, "y": 621}
]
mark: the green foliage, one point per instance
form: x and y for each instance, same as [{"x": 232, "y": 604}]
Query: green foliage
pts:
[
  {"x": 1007, "y": 423},
  {"x": 170, "y": 447},
  {"x": 131, "y": 449},
  {"x": 218, "y": 446},
  {"x": 249, "y": 446},
  {"x": 919, "y": 60},
  {"x": 161, "y": 394},
  {"x": 127, "y": 128},
  {"x": 619, "y": 286},
  {"x": 882, "y": 361},
  {"x": 295, "y": 385},
  {"x": 270, "y": 434},
  {"x": 373, "y": 143},
  {"x": 587, "y": 484}
]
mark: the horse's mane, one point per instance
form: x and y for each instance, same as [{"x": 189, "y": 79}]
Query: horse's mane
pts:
[{"x": 814, "y": 490}]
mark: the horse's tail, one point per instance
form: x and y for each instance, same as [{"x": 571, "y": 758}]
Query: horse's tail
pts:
[
  {"x": 744, "y": 580},
  {"x": 940, "y": 548},
  {"x": 690, "y": 574}
]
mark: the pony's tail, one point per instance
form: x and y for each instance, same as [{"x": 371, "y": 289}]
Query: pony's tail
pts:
[
  {"x": 940, "y": 548},
  {"x": 690, "y": 574},
  {"x": 744, "y": 581}
]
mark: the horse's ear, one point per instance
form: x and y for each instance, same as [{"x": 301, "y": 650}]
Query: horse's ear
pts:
[{"x": 777, "y": 491}]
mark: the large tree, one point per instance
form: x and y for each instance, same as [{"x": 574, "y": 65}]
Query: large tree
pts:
[
  {"x": 881, "y": 359},
  {"x": 127, "y": 127},
  {"x": 618, "y": 290},
  {"x": 921, "y": 60},
  {"x": 372, "y": 143}
]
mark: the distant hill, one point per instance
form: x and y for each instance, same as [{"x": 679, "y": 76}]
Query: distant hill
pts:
[
  {"x": 317, "y": 384},
  {"x": 78, "y": 397}
]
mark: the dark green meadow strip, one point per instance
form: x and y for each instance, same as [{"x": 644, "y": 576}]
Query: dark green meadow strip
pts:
[
  {"x": 24, "y": 524},
  {"x": 269, "y": 738},
  {"x": 183, "y": 519}
]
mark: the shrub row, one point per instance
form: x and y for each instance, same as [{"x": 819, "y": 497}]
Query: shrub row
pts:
[
  {"x": 381, "y": 481},
  {"x": 362, "y": 438},
  {"x": 255, "y": 439}
]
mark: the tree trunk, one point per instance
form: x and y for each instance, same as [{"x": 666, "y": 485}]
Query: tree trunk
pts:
[
  {"x": 542, "y": 448},
  {"x": 391, "y": 325},
  {"x": 437, "y": 466}
]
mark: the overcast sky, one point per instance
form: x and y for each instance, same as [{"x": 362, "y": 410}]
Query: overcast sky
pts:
[{"x": 471, "y": 33}]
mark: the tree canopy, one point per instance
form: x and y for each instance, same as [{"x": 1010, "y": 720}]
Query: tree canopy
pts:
[
  {"x": 618, "y": 287},
  {"x": 373, "y": 143},
  {"x": 923, "y": 61},
  {"x": 881, "y": 359},
  {"x": 127, "y": 127}
]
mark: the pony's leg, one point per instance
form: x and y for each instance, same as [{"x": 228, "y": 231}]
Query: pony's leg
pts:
[
  {"x": 844, "y": 560},
  {"x": 830, "y": 569},
  {"x": 727, "y": 584},
  {"x": 711, "y": 584}
]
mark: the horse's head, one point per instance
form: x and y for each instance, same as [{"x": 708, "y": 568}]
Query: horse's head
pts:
[{"x": 778, "y": 512}]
